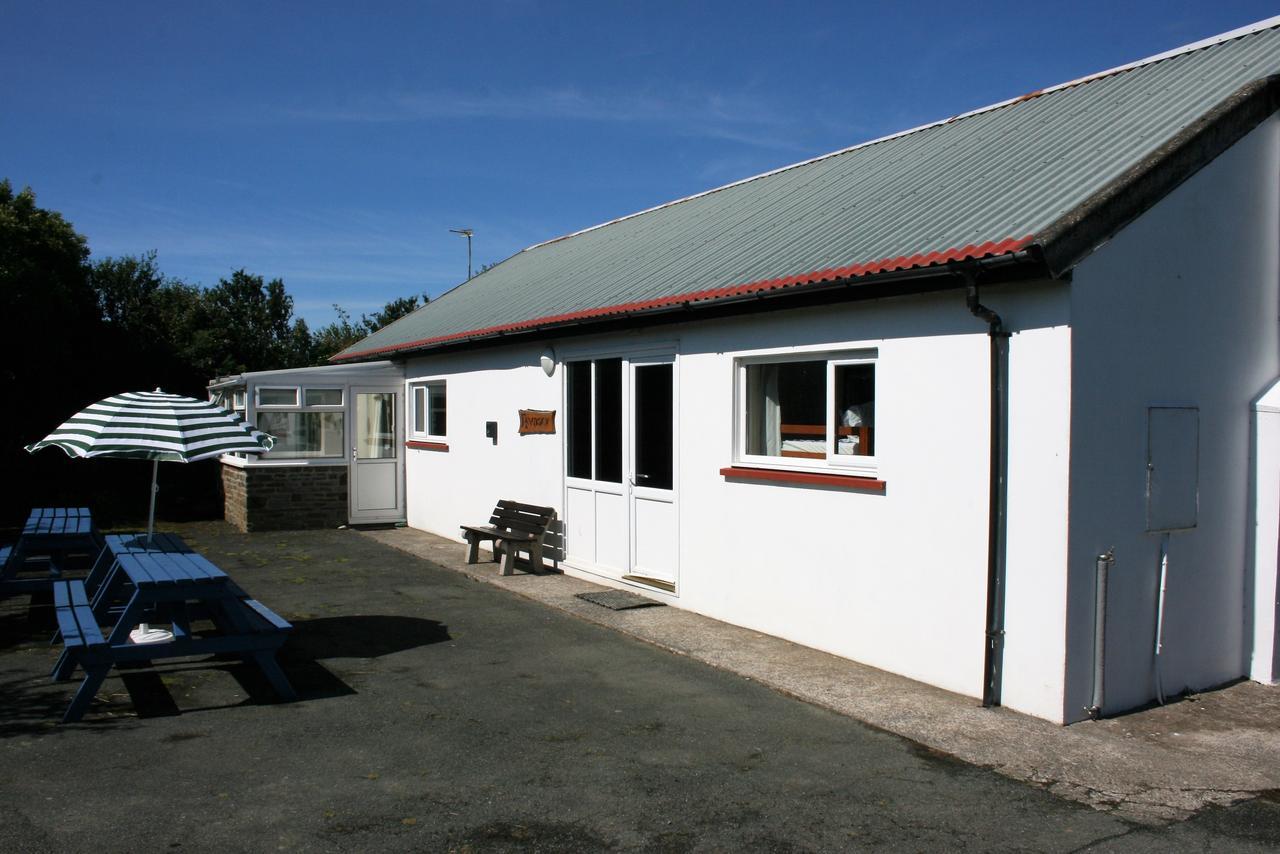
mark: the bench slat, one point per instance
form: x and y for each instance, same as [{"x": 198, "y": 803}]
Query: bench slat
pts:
[{"x": 278, "y": 623}]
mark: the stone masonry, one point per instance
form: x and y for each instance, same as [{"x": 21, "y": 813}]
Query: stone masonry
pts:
[{"x": 284, "y": 498}]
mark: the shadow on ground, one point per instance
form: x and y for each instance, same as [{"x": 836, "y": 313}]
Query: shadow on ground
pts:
[{"x": 32, "y": 705}]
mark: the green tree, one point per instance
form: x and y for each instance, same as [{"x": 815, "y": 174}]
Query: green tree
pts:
[
  {"x": 246, "y": 324},
  {"x": 337, "y": 336},
  {"x": 49, "y": 305},
  {"x": 391, "y": 312},
  {"x": 150, "y": 320}
]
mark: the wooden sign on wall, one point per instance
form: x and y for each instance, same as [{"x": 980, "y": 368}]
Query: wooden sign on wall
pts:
[{"x": 537, "y": 421}]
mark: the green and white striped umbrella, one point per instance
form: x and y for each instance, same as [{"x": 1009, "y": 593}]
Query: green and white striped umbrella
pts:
[{"x": 152, "y": 425}]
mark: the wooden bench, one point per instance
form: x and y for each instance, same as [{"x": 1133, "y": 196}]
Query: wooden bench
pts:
[{"x": 513, "y": 527}]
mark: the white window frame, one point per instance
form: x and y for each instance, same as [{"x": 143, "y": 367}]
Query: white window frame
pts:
[
  {"x": 297, "y": 397},
  {"x": 342, "y": 397},
  {"x": 852, "y": 464},
  {"x": 421, "y": 431}
]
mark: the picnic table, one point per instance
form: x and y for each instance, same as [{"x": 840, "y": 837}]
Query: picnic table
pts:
[
  {"x": 53, "y": 533},
  {"x": 176, "y": 590}
]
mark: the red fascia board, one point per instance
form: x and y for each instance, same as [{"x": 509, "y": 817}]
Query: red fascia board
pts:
[{"x": 903, "y": 262}]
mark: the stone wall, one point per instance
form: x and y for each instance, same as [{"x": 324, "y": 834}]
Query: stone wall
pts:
[{"x": 282, "y": 498}]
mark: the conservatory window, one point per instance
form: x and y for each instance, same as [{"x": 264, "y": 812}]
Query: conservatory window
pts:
[{"x": 277, "y": 396}]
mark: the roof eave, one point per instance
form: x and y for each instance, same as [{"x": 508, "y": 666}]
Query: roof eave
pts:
[
  {"x": 1077, "y": 233},
  {"x": 1021, "y": 255}
]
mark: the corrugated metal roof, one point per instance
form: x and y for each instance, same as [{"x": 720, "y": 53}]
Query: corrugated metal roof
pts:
[{"x": 978, "y": 185}]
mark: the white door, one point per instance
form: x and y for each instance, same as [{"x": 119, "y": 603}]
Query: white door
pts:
[
  {"x": 619, "y": 509},
  {"x": 652, "y": 473},
  {"x": 376, "y": 473}
]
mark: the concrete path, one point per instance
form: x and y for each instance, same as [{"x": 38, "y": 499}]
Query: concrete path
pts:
[{"x": 1165, "y": 763}]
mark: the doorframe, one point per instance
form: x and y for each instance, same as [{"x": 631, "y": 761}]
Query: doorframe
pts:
[
  {"x": 397, "y": 514},
  {"x": 657, "y": 351}
]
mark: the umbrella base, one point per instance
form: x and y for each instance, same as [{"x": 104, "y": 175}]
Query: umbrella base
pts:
[{"x": 147, "y": 634}]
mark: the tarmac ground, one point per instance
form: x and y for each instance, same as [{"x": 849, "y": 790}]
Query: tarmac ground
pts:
[{"x": 443, "y": 708}]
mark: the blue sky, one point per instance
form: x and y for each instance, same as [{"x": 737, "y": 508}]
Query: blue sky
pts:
[{"x": 335, "y": 147}]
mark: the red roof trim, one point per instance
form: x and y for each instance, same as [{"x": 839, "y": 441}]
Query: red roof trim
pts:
[{"x": 903, "y": 262}]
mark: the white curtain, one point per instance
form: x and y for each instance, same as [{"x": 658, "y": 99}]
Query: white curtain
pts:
[
  {"x": 764, "y": 415},
  {"x": 772, "y": 413}
]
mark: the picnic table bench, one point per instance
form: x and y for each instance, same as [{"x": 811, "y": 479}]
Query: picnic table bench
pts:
[
  {"x": 175, "y": 589},
  {"x": 513, "y": 527},
  {"x": 52, "y": 533}
]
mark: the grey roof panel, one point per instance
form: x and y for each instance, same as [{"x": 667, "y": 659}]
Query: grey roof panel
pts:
[{"x": 998, "y": 176}]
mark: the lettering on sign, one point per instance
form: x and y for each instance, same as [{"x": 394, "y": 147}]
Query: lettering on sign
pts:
[{"x": 537, "y": 421}]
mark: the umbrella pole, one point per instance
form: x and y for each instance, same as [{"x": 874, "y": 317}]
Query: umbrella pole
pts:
[
  {"x": 151, "y": 525},
  {"x": 151, "y": 517}
]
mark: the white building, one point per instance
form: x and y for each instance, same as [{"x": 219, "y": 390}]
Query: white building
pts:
[{"x": 895, "y": 402}]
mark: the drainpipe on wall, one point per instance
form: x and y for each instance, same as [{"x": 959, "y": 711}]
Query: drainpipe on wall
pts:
[
  {"x": 997, "y": 490},
  {"x": 1102, "y": 569}
]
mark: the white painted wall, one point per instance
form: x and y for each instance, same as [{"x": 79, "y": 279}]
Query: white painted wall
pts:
[
  {"x": 460, "y": 486},
  {"x": 896, "y": 580},
  {"x": 1264, "y": 665},
  {"x": 1179, "y": 309}
]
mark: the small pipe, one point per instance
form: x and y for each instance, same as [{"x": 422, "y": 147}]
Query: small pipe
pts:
[
  {"x": 1164, "y": 575},
  {"x": 1101, "y": 569}
]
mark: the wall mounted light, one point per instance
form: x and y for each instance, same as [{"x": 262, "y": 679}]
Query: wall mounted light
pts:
[{"x": 548, "y": 360}]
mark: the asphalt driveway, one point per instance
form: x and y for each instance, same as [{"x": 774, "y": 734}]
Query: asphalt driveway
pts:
[{"x": 440, "y": 714}]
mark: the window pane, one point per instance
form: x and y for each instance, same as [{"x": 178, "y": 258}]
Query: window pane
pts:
[
  {"x": 322, "y": 397},
  {"x": 277, "y": 397},
  {"x": 375, "y": 426},
  {"x": 303, "y": 434},
  {"x": 609, "y": 420},
  {"x": 578, "y": 422},
  {"x": 436, "y": 422},
  {"x": 855, "y": 409},
  {"x": 785, "y": 404},
  {"x": 237, "y": 400},
  {"x": 419, "y": 409},
  {"x": 653, "y": 426}
]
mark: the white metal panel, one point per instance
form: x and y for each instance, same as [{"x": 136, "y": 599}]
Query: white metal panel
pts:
[
  {"x": 580, "y": 525},
  {"x": 655, "y": 538},
  {"x": 612, "y": 536},
  {"x": 376, "y": 485}
]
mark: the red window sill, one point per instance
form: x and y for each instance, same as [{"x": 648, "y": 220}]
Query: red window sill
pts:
[
  {"x": 426, "y": 446},
  {"x": 842, "y": 481}
]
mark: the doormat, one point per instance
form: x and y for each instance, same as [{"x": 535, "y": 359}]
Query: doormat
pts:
[{"x": 618, "y": 600}]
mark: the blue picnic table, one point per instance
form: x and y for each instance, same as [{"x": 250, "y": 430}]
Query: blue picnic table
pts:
[
  {"x": 51, "y": 533},
  {"x": 173, "y": 589}
]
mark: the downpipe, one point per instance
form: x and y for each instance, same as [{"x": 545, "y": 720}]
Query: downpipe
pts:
[
  {"x": 1102, "y": 568},
  {"x": 993, "y": 657}
]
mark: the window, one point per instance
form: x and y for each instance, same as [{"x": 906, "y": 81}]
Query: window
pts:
[
  {"x": 300, "y": 431},
  {"x": 594, "y": 440},
  {"x": 429, "y": 409},
  {"x": 322, "y": 397},
  {"x": 811, "y": 410},
  {"x": 303, "y": 434},
  {"x": 277, "y": 397}
]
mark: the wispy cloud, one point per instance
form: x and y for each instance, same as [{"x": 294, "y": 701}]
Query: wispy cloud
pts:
[{"x": 735, "y": 117}]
